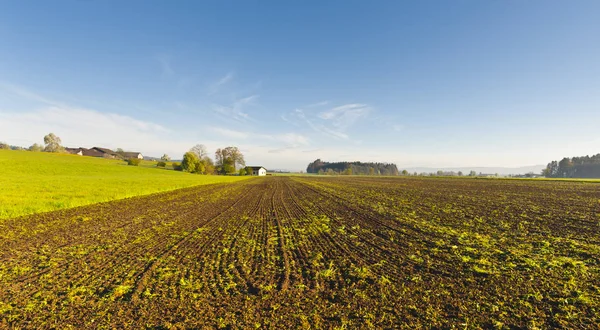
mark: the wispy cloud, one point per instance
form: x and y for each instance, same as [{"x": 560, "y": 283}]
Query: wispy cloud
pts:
[
  {"x": 229, "y": 133},
  {"x": 225, "y": 79},
  {"x": 30, "y": 95},
  {"x": 344, "y": 116},
  {"x": 293, "y": 139},
  {"x": 216, "y": 86},
  {"x": 236, "y": 109},
  {"x": 287, "y": 141},
  {"x": 165, "y": 65},
  {"x": 334, "y": 122},
  {"x": 318, "y": 104}
]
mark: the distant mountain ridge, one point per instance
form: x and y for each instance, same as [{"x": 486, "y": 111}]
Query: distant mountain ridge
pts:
[{"x": 537, "y": 169}]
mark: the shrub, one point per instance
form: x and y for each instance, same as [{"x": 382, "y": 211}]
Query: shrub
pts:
[
  {"x": 134, "y": 161},
  {"x": 177, "y": 167},
  {"x": 161, "y": 164}
]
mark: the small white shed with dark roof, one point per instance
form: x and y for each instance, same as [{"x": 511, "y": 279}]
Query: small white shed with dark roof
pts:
[{"x": 257, "y": 170}]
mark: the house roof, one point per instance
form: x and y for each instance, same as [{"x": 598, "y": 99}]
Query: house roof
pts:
[
  {"x": 92, "y": 152},
  {"x": 256, "y": 167},
  {"x": 129, "y": 154},
  {"x": 73, "y": 150},
  {"x": 104, "y": 150}
]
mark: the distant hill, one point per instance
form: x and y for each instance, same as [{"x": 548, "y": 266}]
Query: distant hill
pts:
[
  {"x": 537, "y": 169},
  {"x": 352, "y": 168}
]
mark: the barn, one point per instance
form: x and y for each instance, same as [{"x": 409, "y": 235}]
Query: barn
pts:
[{"x": 257, "y": 170}]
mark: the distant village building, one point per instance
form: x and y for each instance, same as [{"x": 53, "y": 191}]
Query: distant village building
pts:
[
  {"x": 257, "y": 170},
  {"x": 75, "y": 151},
  {"x": 128, "y": 155},
  {"x": 103, "y": 152}
]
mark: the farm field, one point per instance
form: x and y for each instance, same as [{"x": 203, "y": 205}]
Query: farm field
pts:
[
  {"x": 33, "y": 182},
  {"x": 312, "y": 252}
]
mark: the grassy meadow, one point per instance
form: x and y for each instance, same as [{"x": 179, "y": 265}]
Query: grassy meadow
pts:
[{"x": 33, "y": 182}]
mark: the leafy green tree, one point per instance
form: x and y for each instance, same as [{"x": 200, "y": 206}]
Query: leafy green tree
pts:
[
  {"x": 404, "y": 172},
  {"x": 4, "y": 146},
  {"x": 242, "y": 171},
  {"x": 460, "y": 173},
  {"x": 53, "y": 143},
  {"x": 190, "y": 162},
  {"x": 199, "y": 167},
  {"x": 472, "y": 173},
  {"x": 209, "y": 166}
]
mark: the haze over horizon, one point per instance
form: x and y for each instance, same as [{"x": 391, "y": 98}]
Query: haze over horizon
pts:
[{"x": 437, "y": 84}]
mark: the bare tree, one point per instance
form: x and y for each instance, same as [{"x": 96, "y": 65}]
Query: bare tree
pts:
[
  {"x": 165, "y": 158},
  {"x": 199, "y": 150}
]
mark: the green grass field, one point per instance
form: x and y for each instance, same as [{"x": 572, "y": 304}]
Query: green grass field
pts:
[{"x": 33, "y": 182}]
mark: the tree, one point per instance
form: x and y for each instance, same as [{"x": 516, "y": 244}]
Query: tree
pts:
[
  {"x": 36, "y": 148},
  {"x": 165, "y": 158},
  {"x": 472, "y": 173},
  {"x": 371, "y": 171},
  {"x": 4, "y": 146},
  {"x": 227, "y": 159},
  {"x": 190, "y": 162},
  {"x": 209, "y": 166},
  {"x": 242, "y": 171},
  {"x": 404, "y": 172},
  {"x": 52, "y": 143},
  {"x": 199, "y": 150},
  {"x": 460, "y": 173}
]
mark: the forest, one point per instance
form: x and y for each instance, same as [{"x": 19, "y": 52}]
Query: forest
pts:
[
  {"x": 576, "y": 167},
  {"x": 351, "y": 168}
]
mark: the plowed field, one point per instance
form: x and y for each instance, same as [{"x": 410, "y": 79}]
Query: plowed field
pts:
[{"x": 311, "y": 252}]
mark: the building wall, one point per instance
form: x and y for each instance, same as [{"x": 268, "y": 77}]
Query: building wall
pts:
[{"x": 262, "y": 172}]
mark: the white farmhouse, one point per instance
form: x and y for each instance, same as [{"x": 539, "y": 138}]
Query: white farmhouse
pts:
[{"x": 257, "y": 170}]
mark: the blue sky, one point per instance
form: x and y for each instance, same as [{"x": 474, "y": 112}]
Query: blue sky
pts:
[{"x": 429, "y": 83}]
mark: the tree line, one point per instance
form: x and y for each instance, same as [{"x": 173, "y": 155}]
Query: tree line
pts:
[
  {"x": 351, "y": 168},
  {"x": 51, "y": 141},
  {"x": 576, "y": 167},
  {"x": 228, "y": 160}
]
